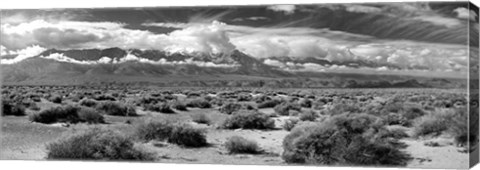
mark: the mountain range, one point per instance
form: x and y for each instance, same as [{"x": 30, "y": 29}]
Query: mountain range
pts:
[{"x": 134, "y": 66}]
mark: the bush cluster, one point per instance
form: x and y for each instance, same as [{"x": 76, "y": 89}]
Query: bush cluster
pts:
[
  {"x": 12, "y": 109},
  {"x": 248, "y": 119},
  {"x": 67, "y": 114},
  {"x": 237, "y": 144},
  {"x": 116, "y": 109},
  {"x": 97, "y": 144},
  {"x": 284, "y": 108},
  {"x": 172, "y": 132},
  {"x": 159, "y": 107},
  {"x": 199, "y": 103},
  {"x": 343, "y": 139}
]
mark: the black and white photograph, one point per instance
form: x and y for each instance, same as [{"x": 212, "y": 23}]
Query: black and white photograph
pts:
[{"x": 373, "y": 84}]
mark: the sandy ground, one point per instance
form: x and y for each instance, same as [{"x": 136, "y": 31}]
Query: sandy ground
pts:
[{"x": 21, "y": 139}]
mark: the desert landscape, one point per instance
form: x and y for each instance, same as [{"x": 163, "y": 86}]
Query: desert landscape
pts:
[
  {"x": 368, "y": 84},
  {"x": 399, "y": 127}
]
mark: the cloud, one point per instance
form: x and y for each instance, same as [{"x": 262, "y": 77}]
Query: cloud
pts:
[
  {"x": 362, "y": 9},
  {"x": 465, "y": 13},
  {"x": 287, "y": 9},
  {"x": 257, "y": 18},
  {"x": 23, "y": 54},
  {"x": 199, "y": 38},
  {"x": 337, "y": 46},
  {"x": 439, "y": 20},
  {"x": 263, "y": 43},
  {"x": 3, "y": 51},
  {"x": 132, "y": 58}
]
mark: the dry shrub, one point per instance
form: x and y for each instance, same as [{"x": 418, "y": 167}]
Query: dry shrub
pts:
[
  {"x": 290, "y": 124},
  {"x": 67, "y": 114},
  {"x": 268, "y": 104},
  {"x": 88, "y": 102},
  {"x": 159, "y": 107},
  {"x": 308, "y": 115},
  {"x": 249, "y": 120},
  {"x": 199, "y": 103},
  {"x": 179, "y": 105},
  {"x": 350, "y": 139},
  {"x": 201, "y": 118},
  {"x": 237, "y": 144},
  {"x": 284, "y": 108},
  {"x": 116, "y": 108},
  {"x": 11, "y": 109},
  {"x": 173, "y": 132},
  {"x": 186, "y": 135},
  {"x": 97, "y": 144},
  {"x": 433, "y": 123}
]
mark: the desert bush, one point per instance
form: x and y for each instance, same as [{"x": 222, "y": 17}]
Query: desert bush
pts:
[
  {"x": 89, "y": 115},
  {"x": 459, "y": 128},
  {"x": 104, "y": 97},
  {"x": 66, "y": 114},
  {"x": 284, "y": 108},
  {"x": 159, "y": 107},
  {"x": 248, "y": 120},
  {"x": 56, "y": 99},
  {"x": 172, "y": 132},
  {"x": 154, "y": 130},
  {"x": 396, "y": 119},
  {"x": 268, "y": 104},
  {"x": 116, "y": 108},
  {"x": 179, "y": 105},
  {"x": 201, "y": 118},
  {"x": 314, "y": 144},
  {"x": 341, "y": 140},
  {"x": 308, "y": 115},
  {"x": 305, "y": 102},
  {"x": 244, "y": 97},
  {"x": 412, "y": 112},
  {"x": 12, "y": 109},
  {"x": 433, "y": 123},
  {"x": 290, "y": 124},
  {"x": 88, "y": 102},
  {"x": 344, "y": 107},
  {"x": 231, "y": 107},
  {"x": 237, "y": 144},
  {"x": 396, "y": 133},
  {"x": 186, "y": 135},
  {"x": 356, "y": 123},
  {"x": 199, "y": 103},
  {"x": 97, "y": 144},
  {"x": 365, "y": 152},
  {"x": 33, "y": 106}
]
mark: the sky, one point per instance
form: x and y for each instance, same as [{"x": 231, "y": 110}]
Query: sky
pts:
[{"x": 388, "y": 38}]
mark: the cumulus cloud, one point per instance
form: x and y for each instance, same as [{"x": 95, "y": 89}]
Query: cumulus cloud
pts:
[
  {"x": 287, "y": 9},
  {"x": 200, "y": 38},
  {"x": 132, "y": 58},
  {"x": 220, "y": 38},
  {"x": 465, "y": 13},
  {"x": 362, "y": 9},
  {"x": 3, "y": 50},
  {"x": 23, "y": 54}
]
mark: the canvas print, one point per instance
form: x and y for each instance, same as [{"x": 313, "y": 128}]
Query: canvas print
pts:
[{"x": 352, "y": 84}]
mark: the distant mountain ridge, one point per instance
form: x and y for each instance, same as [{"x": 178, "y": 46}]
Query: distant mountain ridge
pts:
[{"x": 240, "y": 69}]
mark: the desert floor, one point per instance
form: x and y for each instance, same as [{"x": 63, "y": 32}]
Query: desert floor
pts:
[{"x": 25, "y": 140}]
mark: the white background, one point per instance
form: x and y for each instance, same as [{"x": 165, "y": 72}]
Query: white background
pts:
[{"x": 68, "y": 165}]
